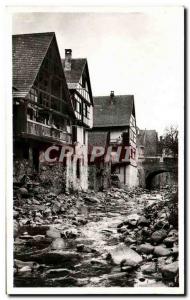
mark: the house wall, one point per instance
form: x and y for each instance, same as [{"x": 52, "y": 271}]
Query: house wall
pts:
[
  {"x": 91, "y": 117},
  {"x": 131, "y": 176},
  {"x": 99, "y": 176},
  {"x": 73, "y": 181},
  {"x": 128, "y": 175},
  {"x": 80, "y": 183}
]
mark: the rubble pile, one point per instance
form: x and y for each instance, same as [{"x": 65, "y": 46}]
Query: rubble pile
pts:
[{"x": 119, "y": 237}]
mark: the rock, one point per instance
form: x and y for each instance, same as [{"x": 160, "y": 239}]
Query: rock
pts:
[
  {"x": 129, "y": 240},
  {"x": 161, "y": 251},
  {"x": 123, "y": 229},
  {"x": 170, "y": 271},
  {"x": 175, "y": 251},
  {"x": 39, "y": 238},
  {"x": 132, "y": 219},
  {"x": 53, "y": 233},
  {"x": 169, "y": 241},
  {"x": 142, "y": 221},
  {"x": 15, "y": 229},
  {"x": 64, "y": 281},
  {"x": 173, "y": 232},
  {"x": 158, "y": 236},
  {"x": 116, "y": 275},
  {"x": 91, "y": 200},
  {"x": 145, "y": 248},
  {"x": 21, "y": 264},
  {"x": 25, "y": 269},
  {"x": 57, "y": 257},
  {"x": 26, "y": 237},
  {"x": 81, "y": 248},
  {"x": 123, "y": 253},
  {"x": 58, "y": 272},
  {"x": 69, "y": 233},
  {"x": 82, "y": 281},
  {"x": 162, "y": 224},
  {"x": 23, "y": 192},
  {"x": 58, "y": 244},
  {"x": 149, "y": 268},
  {"x": 15, "y": 214}
]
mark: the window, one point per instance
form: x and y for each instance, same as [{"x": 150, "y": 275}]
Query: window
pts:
[
  {"x": 133, "y": 153},
  {"x": 78, "y": 169},
  {"x": 84, "y": 137}
]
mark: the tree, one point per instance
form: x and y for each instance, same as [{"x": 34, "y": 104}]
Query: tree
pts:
[{"x": 169, "y": 142}]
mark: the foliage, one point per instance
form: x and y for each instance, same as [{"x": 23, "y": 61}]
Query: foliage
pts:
[{"x": 169, "y": 142}]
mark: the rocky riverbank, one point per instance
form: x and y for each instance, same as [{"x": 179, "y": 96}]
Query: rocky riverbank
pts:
[{"x": 119, "y": 237}]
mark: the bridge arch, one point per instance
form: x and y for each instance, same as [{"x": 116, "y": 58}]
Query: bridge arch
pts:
[{"x": 151, "y": 175}]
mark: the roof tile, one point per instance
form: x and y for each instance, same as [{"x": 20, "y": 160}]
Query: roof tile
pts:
[{"x": 114, "y": 112}]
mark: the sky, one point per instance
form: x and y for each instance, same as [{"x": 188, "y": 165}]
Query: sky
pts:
[{"x": 138, "y": 52}]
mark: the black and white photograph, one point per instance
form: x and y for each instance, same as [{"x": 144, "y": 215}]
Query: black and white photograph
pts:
[{"x": 96, "y": 179}]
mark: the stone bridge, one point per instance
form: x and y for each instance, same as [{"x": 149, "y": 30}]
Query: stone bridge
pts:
[{"x": 152, "y": 166}]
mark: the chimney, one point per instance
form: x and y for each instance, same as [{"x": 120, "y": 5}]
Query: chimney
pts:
[
  {"x": 112, "y": 94},
  {"x": 111, "y": 97},
  {"x": 68, "y": 57}
]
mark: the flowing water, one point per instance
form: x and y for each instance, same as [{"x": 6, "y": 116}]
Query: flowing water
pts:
[{"x": 82, "y": 268}]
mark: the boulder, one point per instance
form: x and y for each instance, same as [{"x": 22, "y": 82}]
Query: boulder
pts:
[
  {"x": 57, "y": 257},
  {"x": 158, "y": 236},
  {"x": 132, "y": 219},
  {"x": 149, "y": 268},
  {"x": 143, "y": 221},
  {"x": 58, "y": 244},
  {"x": 145, "y": 248},
  {"x": 161, "y": 251},
  {"x": 162, "y": 224},
  {"x": 123, "y": 229},
  {"x": 23, "y": 192},
  {"x": 83, "y": 248},
  {"x": 170, "y": 271},
  {"x": 122, "y": 253},
  {"x": 20, "y": 264},
  {"x": 53, "y": 233},
  {"x": 129, "y": 240},
  {"x": 25, "y": 269},
  {"x": 91, "y": 200},
  {"x": 169, "y": 241},
  {"x": 69, "y": 233},
  {"x": 51, "y": 273}
]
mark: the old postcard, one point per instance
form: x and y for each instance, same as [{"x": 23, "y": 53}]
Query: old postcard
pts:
[{"x": 95, "y": 198}]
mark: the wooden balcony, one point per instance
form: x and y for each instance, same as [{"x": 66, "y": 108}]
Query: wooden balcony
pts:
[{"x": 42, "y": 130}]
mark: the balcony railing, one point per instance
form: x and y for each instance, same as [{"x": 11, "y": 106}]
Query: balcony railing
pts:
[{"x": 42, "y": 130}]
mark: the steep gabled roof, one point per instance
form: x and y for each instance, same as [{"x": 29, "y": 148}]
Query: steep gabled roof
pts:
[
  {"x": 77, "y": 67},
  {"x": 29, "y": 51},
  {"x": 114, "y": 112}
]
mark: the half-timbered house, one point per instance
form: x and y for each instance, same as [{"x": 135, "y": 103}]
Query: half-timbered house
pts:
[
  {"x": 43, "y": 113},
  {"x": 78, "y": 81},
  {"x": 115, "y": 114}
]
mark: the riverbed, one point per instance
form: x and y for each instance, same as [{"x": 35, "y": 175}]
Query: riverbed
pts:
[{"x": 84, "y": 238}]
